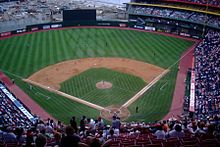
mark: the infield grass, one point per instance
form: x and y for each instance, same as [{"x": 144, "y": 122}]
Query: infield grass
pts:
[
  {"x": 24, "y": 55},
  {"x": 83, "y": 86}
]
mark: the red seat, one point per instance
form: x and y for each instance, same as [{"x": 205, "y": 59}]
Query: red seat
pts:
[
  {"x": 127, "y": 143},
  {"x": 134, "y": 146},
  {"x": 157, "y": 141},
  {"x": 12, "y": 144},
  {"x": 194, "y": 145},
  {"x": 209, "y": 143},
  {"x": 114, "y": 143},
  {"x": 143, "y": 142},
  {"x": 154, "y": 145},
  {"x": 171, "y": 143}
]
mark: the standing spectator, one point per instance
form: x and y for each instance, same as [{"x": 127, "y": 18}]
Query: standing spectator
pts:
[
  {"x": 70, "y": 140},
  {"x": 29, "y": 139},
  {"x": 100, "y": 124},
  {"x": 74, "y": 124},
  {"x": 41, "y": 141},
  {"x": 82, "y": 124},
  {"x": 114, "y": 122}
]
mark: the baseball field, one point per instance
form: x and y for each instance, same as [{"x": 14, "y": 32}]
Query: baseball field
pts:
[{"x": 103, "y": 66}]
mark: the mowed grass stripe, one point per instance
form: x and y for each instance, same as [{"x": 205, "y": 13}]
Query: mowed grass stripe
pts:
[
  {"x": 129, "y": 44},
  {"x": 129, "y": 83},
  {"x": 84, "y": 86},
  {"x": 121, "y": 43},
  {"x": 77, "y": 86},
  {"x": 111, "y": 49},
  {"x": 154, "y": 104},
  {"x": 138, "y": 51},
  {"x": 59, "y": 107},
  {"x": 63, "y": 46},
  {"x": 107, "y": 97},
  {"x": 18, "y": 56}
]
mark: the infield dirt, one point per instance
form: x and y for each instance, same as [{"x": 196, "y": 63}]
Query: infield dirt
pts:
[{"x": 51, "y": 76}]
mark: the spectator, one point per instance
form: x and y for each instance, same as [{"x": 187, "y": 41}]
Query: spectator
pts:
[
  {"x": 82, "y": 124},
  {"x": 9, "y": 136},
  {"x": 177, "y": 132},
  {"x": 74, "y": 124},
  {"x": 70, "y": 139},
  {"x": 160, "y": 133},
  {"x": 41, "y": 141}
]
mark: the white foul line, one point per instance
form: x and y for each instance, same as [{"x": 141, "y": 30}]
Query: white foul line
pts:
[
  {"x": 66, "y": 95},
  {"x": 142, "y": 91}
]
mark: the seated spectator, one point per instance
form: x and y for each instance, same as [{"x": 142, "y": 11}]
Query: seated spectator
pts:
[
  {"x": 9, "y": 136},
  {"x": 111, "y": 135},
  {"x": 57, "y": 139},
  {"x": 177, "y": 132},
  {"x": 160, "y": 133}
]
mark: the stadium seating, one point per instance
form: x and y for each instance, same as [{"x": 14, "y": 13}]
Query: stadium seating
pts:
[
  {"x": 10, "y": 114},
  {"x": 204, "y": 2},
  {"x": 176, "y": 14},
  {"x": 202, "y": 131},
  {"x": 207, "y": 68}
]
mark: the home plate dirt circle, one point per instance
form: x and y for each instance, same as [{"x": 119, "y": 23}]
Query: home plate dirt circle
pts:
[
  {"x": 123, "y": 113},
  {"x": 103, "y": 85}
]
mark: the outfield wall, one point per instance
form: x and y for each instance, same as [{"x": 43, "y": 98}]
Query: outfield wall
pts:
[{"x": 180, "y": 30}]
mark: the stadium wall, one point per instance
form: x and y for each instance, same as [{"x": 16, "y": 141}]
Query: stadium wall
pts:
[{"x": 180, "y": 30}]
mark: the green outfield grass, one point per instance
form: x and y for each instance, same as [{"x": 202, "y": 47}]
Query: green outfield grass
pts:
[
  {"x": 83, "y": 86},
  {"x": 24, "y": 55}
]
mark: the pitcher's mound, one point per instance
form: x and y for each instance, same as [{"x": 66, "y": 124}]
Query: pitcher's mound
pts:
[{"x": 103, "y": 85}]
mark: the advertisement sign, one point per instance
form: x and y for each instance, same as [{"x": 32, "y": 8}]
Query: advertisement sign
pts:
[
  {"x": 5, "y": 34},
  {"x": 46, "y": 27},
  {"x": 56, "y": 25},
  {"x": 34, "y": 29}
]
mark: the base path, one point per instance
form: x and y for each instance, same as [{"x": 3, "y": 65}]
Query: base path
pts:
[
  {"x": 52, "y": 76},
  {"x": 65, "y": 95},
  {"x": 176, "y": 107}
]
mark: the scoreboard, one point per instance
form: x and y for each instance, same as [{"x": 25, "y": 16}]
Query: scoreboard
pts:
[{"x": 79, "y": 15}]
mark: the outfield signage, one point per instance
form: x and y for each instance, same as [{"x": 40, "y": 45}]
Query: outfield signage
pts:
[
  {"x": 138, "y": 27},
  {"x": 21, "y": 30},
  {"x": 185, "y": 34},
  {"x": 192, "y": 90},
  {"x": 123, "y": 25},
  {"x": 17, "y": 103},
  {"x": 46, "y": 27},
  {"x": 104, "y": 24},
  {"x": 149, "y": 28},
  {"x": 56, "y": 26},
  {"x": 5, "y": 34},
  {"x": 34, "y": 29}
]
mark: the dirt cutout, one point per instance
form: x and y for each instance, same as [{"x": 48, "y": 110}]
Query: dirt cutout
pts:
[
  {"x": 103, "y": 85},
  {"x": 115, "y": 110}
]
